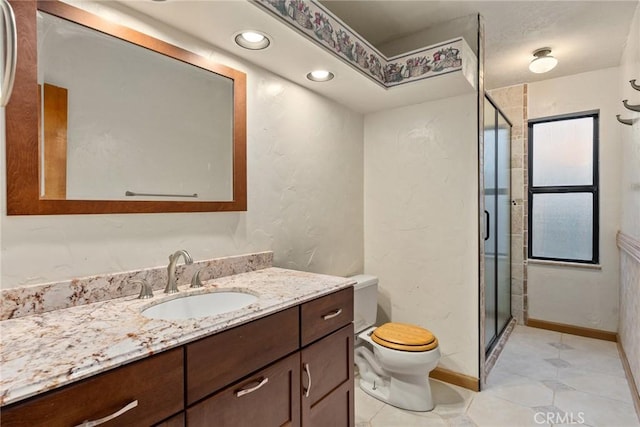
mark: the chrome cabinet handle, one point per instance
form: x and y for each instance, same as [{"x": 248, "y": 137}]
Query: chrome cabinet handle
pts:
[
  {"x": 333, "y": 314},
  {"x": 242, "y": 392},
  {"x": 308, "y": 372},
  {"x": 9, "y": 72},
  {"x": 116, "y": 414}
]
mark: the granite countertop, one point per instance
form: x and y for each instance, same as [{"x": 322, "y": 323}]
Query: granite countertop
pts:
[{"x": 45, "y": 351}]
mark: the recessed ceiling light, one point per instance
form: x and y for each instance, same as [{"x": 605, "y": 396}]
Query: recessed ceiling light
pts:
[
  {"x": 253, "y": 40},
  {"x": 252, "y": 36},
  {"x": 320, "y": 76},
  {"x": 543, "y": 61}
]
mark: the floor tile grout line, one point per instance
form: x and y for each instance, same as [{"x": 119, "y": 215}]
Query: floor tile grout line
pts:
[
  {"x": 601, "y": 396},
  {"x": 377, "y": 412}
]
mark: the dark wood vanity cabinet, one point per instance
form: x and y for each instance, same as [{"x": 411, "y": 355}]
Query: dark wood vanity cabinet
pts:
[
  {"x": 270, "y": 397},
  {"x": 321, "y": 316},
  {"x": 214, "y": 362},
  {"x": 312, "y": 386},
  {"x": 152, "y": 388},
  {"x": 327, "y": 381},
  {"x": 327, "y": 363},
  {"x": 175, "y": 421},
  {"x": 292, "y": 368}
]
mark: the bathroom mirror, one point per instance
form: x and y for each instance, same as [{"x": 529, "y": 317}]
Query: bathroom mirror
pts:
[{"x": 104, "y": 119}]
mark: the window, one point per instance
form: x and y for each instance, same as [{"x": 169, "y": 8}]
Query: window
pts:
[{"x": 563, "y": 188}]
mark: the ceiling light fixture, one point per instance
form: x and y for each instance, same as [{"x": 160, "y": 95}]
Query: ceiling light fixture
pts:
[
  {"x": 320, "y": 76},
  {"x": 253, "y": 40},
  {"x": 543, "y": 61}
]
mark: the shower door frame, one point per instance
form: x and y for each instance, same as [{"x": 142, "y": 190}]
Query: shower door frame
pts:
[{"x": 499, "y": 329}]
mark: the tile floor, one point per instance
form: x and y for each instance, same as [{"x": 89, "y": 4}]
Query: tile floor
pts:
[{"x": 542, "y": 378}]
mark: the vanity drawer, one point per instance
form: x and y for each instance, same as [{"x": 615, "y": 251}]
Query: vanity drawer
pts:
[
  {"x": 324, "y": 315},
  {"x": 219, "y": 360},
  {"x": 156, "y": 384},
  {"x": 270, "y": 397}
]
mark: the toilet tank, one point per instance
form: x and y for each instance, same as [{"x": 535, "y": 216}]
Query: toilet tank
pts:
[{"x": 365, "y": 301}]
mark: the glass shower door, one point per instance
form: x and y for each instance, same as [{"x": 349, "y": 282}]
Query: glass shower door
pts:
[
  {"x": 490, "y": 186},
  {"x": 497, "y": 222}
]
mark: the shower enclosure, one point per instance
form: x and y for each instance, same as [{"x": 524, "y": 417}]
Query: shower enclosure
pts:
[{"x": 497, "y": 222}]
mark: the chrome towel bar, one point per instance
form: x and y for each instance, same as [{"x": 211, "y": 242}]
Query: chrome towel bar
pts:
[{"x": 131, "y": 193}]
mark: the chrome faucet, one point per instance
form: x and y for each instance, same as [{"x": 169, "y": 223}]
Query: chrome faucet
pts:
[{"x": 172, "y": 285}]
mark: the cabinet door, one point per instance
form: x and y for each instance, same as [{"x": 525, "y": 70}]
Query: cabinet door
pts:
[
  {"x": 268, "y": 398},
  {"x": 175, "y": 421},
  {"x": 215, "y": 362},
  {"x": 144, "y": 392},
  {"x": 327, "y": 381}
]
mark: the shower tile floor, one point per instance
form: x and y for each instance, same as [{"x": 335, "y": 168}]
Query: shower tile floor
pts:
[{"x": 542, "y": 378}]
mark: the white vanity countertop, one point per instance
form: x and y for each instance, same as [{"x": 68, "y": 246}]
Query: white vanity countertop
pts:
[{"x": 46, "y": 351}]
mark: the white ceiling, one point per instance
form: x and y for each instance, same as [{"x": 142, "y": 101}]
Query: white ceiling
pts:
[
  {"x": 584, "y": 36},
  {"x": 291, "y": 55}
]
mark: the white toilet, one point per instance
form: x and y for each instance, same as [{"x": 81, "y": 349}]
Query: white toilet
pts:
[{"x": 397, "y": 371}]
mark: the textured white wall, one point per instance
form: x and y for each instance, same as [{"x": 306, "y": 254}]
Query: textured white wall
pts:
[
  {"x": 630, "y": 69},
  {"x": 421, "y": 221},
  {"x": 630, "y": 188},
  {"x": 305, "y": 186},
  {"x": 573, "y": 295}
]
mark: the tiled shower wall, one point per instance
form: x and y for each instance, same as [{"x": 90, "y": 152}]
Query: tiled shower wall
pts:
[{"x": 512, "y": 101}]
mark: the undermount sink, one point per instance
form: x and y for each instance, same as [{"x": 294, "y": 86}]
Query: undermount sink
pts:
[{"x": 201, "y": 305}]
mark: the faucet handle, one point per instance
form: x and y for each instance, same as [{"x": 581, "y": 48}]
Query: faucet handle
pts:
[
  {"x": 146, "y": 291},
  {"x": 196, "y": 282}
]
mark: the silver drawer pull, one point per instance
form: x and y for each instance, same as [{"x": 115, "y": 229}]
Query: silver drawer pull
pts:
[
  {"x": 333, "y": 314},
  {"x": 308, "y": 372},
  {"x": 240, "y": 393},
  {"x": 93, "y": 423}
]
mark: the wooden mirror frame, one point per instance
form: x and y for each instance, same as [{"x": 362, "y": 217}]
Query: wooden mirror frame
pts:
[{"x": 22, "y": 148}]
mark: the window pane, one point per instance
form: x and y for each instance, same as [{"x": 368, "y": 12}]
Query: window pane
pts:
[
  {"x": 562, "y": 226},
  {"x": 563, "y": 152}
]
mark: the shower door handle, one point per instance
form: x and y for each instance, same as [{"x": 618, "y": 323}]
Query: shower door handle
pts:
[{"x": 487, "y": 225}]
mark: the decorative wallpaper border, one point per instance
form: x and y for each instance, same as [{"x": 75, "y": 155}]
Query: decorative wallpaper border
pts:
[
  {"x": 318, "y": 24},
  {"x": 37, "y": 299}
]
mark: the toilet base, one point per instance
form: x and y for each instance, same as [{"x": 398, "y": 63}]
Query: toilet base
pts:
[{"x": 410, "y": 392}]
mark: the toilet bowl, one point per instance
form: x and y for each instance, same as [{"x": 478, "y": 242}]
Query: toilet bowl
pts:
[{"x": 394, "y": 359}]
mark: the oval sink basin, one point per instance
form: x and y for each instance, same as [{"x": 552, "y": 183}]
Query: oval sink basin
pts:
[{"x": 201, "y": 305}]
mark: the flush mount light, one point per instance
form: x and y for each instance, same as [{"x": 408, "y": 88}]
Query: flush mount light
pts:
[
  {"x": 320, "y": 76},
  {"x": 253, "y": 40},
  {"x": 543, "y": 61}
]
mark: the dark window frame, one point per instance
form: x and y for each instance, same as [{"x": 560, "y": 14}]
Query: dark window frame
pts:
[{"x": 560, "y": 189}]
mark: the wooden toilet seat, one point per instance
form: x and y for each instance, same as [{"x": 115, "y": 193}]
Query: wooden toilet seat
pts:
[{"x": 404, "y": 337}]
